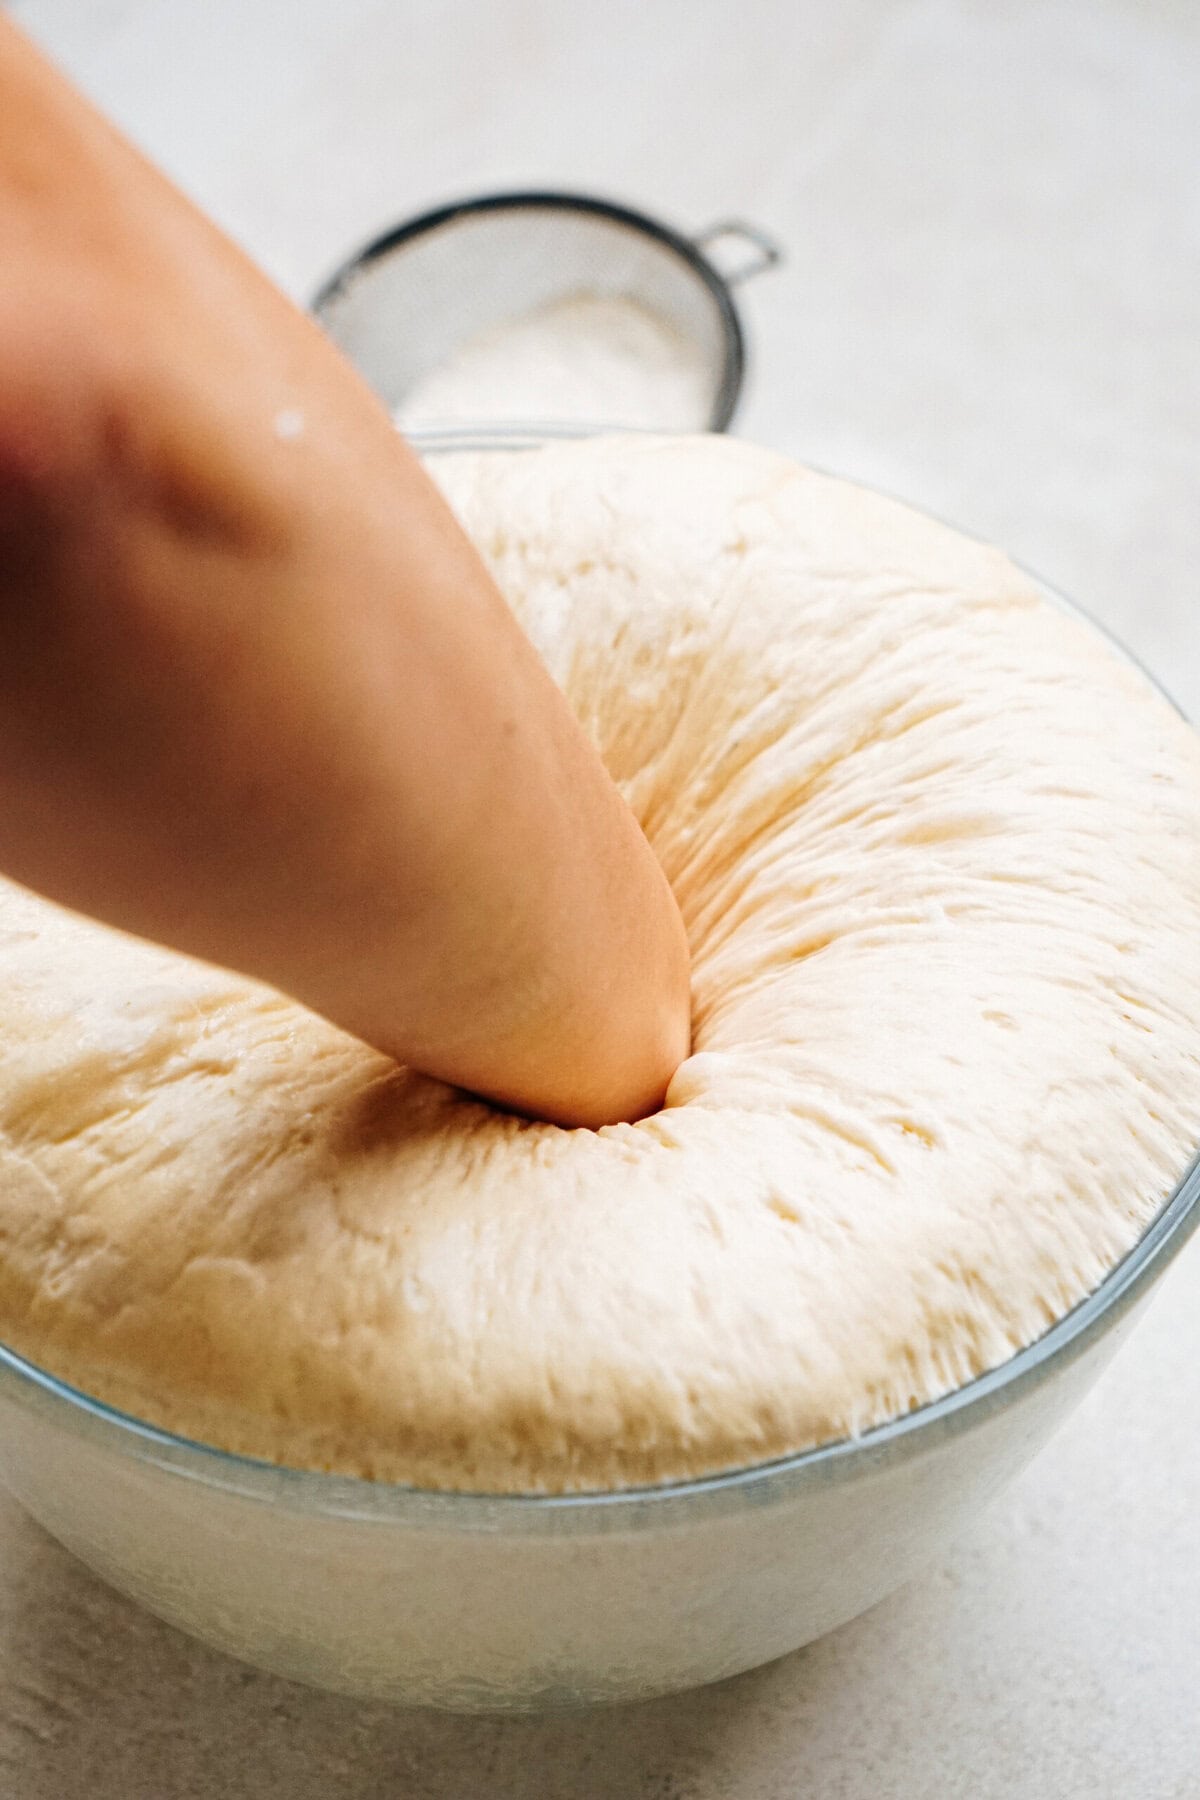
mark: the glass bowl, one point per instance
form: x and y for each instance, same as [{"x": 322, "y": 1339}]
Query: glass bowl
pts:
[{"x": 484, "y": 1602}]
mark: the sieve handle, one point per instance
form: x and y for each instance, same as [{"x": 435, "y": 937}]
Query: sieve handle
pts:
[{"x": 759, "y": 250}]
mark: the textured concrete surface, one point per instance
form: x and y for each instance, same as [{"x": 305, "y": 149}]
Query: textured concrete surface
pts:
[{"x": 991, "y": 305}]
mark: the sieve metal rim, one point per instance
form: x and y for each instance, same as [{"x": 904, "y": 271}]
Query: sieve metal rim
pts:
[{"x": 689, "y": 250}]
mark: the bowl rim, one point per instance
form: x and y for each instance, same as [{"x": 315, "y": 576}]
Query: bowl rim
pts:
[
  {"x": 728, "y": 389},
  {"x": 336, "y": 1496},
  {"x": 339, "y": 1496}
]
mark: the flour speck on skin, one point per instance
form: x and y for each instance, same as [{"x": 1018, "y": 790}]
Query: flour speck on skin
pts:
[{"x": 584, "y": 359}]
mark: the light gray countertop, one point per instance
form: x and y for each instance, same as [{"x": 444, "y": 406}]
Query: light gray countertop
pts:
[{"x": 991, "y": 306}]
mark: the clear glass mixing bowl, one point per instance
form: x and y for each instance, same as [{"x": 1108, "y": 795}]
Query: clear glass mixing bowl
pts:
[{"x": 474, "y": 1601}]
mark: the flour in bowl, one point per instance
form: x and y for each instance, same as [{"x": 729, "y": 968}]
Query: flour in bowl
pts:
[{"x": 586, "y": 358}]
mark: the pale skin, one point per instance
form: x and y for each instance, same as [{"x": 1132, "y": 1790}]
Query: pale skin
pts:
[{"x": 259, "y": 698}]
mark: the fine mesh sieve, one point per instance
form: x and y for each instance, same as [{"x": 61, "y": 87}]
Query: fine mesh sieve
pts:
[{"x": 408, "y": 303}]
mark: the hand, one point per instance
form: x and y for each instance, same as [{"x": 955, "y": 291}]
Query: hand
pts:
[{"x": 259, "y": 699}]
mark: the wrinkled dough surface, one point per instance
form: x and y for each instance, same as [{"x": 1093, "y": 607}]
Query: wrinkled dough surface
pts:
[{"x": 938, "y": 851}]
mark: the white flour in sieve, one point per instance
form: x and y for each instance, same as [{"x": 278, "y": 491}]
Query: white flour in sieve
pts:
[{"x": 587, "y": 358}]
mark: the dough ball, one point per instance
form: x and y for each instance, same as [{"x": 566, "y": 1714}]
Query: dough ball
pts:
[{"x": 938, "y": 851}]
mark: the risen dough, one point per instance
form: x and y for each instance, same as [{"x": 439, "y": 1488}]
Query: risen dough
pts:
[{"x": 938, "y": 850}]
